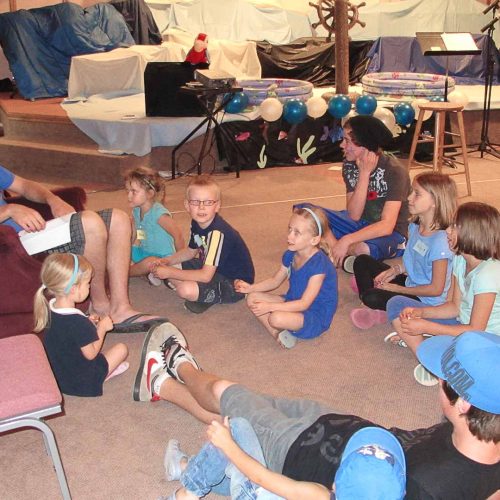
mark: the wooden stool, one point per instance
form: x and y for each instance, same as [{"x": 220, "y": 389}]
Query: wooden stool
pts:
[{"x": 440, "y": 109}]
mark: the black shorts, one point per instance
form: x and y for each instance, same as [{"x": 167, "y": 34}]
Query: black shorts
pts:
[{"x": 220, "y": 290}]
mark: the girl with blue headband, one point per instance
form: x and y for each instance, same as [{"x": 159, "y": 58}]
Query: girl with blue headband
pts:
[
  {"x": 307, "y": 308},
  {"x": 72, "y": 340}
]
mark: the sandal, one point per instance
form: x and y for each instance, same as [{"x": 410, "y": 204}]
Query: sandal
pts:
[
  {"x": 392, "y": 335},
  {"x": 287, "y": 339}
]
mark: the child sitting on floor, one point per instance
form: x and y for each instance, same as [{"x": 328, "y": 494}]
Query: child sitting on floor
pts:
[
  {"x": 216, "y": 255},
  {"x": 426, "y": 267},
  {"x": 156, "y": 232},
  {"x": 73, "y": 341},
  {"x": 307, "y": 309},
  {"x": 473, "y": 301}
]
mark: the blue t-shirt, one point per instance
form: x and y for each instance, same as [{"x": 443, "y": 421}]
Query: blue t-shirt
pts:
[
  {"x": 421, "y": 252},
  {"x": 156, "y": 240},
  {"x": 6, "y": 180},
  {"x": 222, "y": 246},
  {"x": 484, "y": 278},
  {"x": 325, "y": 303}
]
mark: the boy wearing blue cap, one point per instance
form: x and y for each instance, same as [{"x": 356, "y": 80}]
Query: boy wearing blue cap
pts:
[
  {"x": 304, "y": 441},
  {"x": 372, "y": 467}
]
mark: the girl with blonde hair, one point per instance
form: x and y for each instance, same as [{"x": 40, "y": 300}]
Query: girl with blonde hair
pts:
[
  {"x": 72, "y": 340},
  {"x": 307, "y": 309}
]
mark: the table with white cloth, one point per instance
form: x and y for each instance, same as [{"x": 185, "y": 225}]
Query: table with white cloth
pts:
[{"x": 122, "y": 69}]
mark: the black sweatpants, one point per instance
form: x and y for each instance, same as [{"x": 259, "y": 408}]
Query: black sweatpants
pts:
[{"x": 366, "y": 269}]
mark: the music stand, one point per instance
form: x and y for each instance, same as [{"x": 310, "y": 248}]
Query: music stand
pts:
[
  {"x": 446, "y": 44},
  {"x": 206, "y": 96}
]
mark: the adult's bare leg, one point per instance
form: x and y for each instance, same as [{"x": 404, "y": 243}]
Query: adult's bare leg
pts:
[
  {"x": 177, "y": 393},
  {"x": 205, "y": 388},
  {"x": 95, "y": 251}
]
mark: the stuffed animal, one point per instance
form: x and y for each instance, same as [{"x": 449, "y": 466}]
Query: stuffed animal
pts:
[{"x": 199, "y": 54}]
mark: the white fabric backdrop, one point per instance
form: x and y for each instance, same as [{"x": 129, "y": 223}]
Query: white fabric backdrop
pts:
[{"x": 282, "y": 21}]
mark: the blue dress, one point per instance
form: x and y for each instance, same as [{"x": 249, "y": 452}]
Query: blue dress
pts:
[{"x": 318, "y": 317}]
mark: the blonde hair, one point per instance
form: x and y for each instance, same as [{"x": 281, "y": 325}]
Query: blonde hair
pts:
[
  {"x": 147, "y": 178},
  {"x": 319, "y": 216},
  {"x": 443, "y": 190},
  {"x": 205, "y": 181},
  {"x": 56, "y": 274},
  {"x": 478, "y": 230}
]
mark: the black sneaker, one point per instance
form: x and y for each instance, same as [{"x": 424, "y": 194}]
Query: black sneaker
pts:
[{"x": 197, "y": 307}]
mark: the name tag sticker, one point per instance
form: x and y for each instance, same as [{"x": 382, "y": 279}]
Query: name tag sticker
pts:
[
  {"x": 141, "y": 234},
  {"x": 420, "y": 247}
]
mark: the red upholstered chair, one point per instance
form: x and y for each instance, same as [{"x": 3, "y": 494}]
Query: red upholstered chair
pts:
[
  {"x": 28, "y": 393},
  {"x": 21, "y": 272}
]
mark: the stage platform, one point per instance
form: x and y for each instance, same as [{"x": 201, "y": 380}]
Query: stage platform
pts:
[{"x": 41, "y": 142}]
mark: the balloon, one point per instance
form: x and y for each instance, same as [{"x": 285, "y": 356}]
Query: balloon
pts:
[
  {"x": 416, "y": 106},
  {"x": 316, "y": 107},
  {"x": 238, "y": 103},
  {"x": 404, "y": 113},
  {"x": 366, "y": 104},
  {"x": 271, "y": 109},
  {"x": 294, "y": 111},
  {"x": 349, "y": 115},
  {"x": 387, "y": 118},
  {"x": 437, "y": 98},
  {"x": 339, "y": 105},
  {"x": 458, "y": 97}
]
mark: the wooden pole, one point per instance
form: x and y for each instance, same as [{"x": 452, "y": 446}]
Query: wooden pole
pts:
[{"x": 341, "y": 47}]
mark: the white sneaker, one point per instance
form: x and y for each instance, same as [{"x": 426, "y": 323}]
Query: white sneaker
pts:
[{"x": 154, "y": 280}]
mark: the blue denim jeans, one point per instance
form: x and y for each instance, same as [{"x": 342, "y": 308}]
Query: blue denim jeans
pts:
[
  {"x": 210, "y": 470},
  {"x": 398, "y": 303}
]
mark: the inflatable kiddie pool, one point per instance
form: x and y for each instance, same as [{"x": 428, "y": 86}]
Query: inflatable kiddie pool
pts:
[
  {"x": 283, "y": 89},
  {"x": 407, "y": 84}
]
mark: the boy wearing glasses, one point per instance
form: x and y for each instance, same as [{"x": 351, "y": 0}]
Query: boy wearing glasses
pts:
[{"x": 215, "y": 257}]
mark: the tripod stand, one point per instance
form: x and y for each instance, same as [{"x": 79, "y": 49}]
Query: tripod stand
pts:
[{"x": 485, "y": 145}]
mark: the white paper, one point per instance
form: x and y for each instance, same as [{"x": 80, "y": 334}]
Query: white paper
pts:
[
  {"x": 56, "y": 233},
  {"x": 458, "y": 41}
]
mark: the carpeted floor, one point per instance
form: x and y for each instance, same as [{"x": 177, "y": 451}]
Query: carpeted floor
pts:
[{"x": 112, "y": 447}]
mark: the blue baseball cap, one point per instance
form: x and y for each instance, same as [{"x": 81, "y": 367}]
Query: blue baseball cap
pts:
[
  {"x": 372, "y": 467},
  {"x": 470, "y": 363}
]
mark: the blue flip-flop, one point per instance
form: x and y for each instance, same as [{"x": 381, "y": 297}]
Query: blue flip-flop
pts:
[{"x": 130, "y": 325}]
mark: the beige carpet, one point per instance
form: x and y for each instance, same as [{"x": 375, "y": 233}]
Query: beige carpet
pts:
[{"x": 112, "y": 447}]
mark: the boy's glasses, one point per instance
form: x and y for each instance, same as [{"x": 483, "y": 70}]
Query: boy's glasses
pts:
[{"x": 202, "y": 203}]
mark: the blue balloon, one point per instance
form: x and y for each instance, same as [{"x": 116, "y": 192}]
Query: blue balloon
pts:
[
  {"x": 339, "y": 105},
  {"x": 437, "y": 98},
  {"x": 404, "y": 113},
  {"x": 366, "y": 105},
  {"x": 294, "y": 111},
  {"x": 238, "y": 103}
]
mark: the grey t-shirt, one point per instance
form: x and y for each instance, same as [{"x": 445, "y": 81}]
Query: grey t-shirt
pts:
[{"x": 388, "y": 182}]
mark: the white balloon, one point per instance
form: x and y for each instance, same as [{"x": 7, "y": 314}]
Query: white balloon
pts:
[
  {"x": 316, "y": 107},
  {"x": 387, "y": 118},
  {"x": 349, "y": 115},
  {"x": 271, "y": 109},
  {"x": 416, "y": 106},
  {"x": 458, "y": 97}
]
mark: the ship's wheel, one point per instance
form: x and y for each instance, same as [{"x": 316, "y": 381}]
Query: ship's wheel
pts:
[{"x": 326, "y": 15}]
